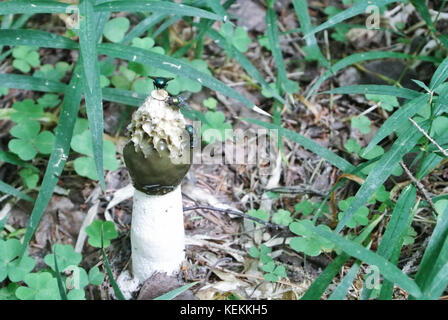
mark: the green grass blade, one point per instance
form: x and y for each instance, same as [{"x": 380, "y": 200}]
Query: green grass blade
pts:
[
  {"x": 352, "y": 59},
  {"x": 174, "y": 293},
  {"x": 397, "y": 228},
  {"x": 59, "y": 154},
  {"x": 61, "y": 287},
  {"x": 245, "y": 63},
  {"x": 398, "y": 119},
  {"x": 91, "y": 80},
  {"x": 156, "y": 6},
  {"x": 18, "y": 81},
  {"x": 301, "y": 8},
  {"x": 6, "y": 188},
  {"x": 144, "y": 26},
  {"x": 273, "y": 37},
  {"x": 382, "y": 170},
  {"x": 114, "y": 284},
  {"x": 36, "y": 38},
  {"x": 357, "y": 9},
  {"x": 438, "y": 285},
  {"x": 28, "y": 7},
  {"x": 375, "y": 89},
  {"x": 319, "y": 285},
  {"x": 172, "y": 65},
  {"x": 323, "y": 152},
  {"x": 342, "y": 289},
  {"x": 126, "y": 97},
  {"x": 388, "y": 270},
  {"x": 440, "y": 75},
  {"x": 435, "y": 255}
]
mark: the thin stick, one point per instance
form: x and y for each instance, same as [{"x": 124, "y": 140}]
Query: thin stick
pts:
[
  {"x": 241, "y": 214},
  {"x": 419, "y": 186},
  {"x": 429, "y": 138}
]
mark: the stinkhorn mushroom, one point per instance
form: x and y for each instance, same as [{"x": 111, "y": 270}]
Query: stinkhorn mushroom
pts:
[{"x": 158, "y": 157}]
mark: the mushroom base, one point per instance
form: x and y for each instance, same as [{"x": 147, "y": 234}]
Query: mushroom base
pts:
[{"x": 157, "y": 234}]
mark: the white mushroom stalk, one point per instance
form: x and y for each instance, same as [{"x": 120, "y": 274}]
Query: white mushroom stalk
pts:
[{"x": 158, "y": 157}]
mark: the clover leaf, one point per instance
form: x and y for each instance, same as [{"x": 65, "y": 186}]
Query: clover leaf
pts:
[
  {"x": 41, "y": 286},
  {"x": 85, "y": 166},
  {"x": 215, "y": 127},
  {"x": 260, "y": 214},
  {"x": 95, "y": 276},
  {"x": 359, "y": 218},
  {"x": 309, "y": 243},
  {"x": 98, "y": 227},
  {"x": 282, "y": 217},
  {"x": 50, "y": 72},
  {"x": 362, "y": 123},
  {"x": 29, "y": 177},
  {"x": 115, "y": 29},
  {"x": 210, "y": 103},
  {"x": 409, "y": 237},
  {"x": 49, "y": 100},
  {"x": 352, "y": 146},
  {"x": 304, "y": 206},
  {"x": 25, "y": 58},
  {"x": 10, "y": 266},
  {"x": 66, "y": 256},
  {"x": 9, "y": 292},
  {"x": 386, "y": 102},
  {"x": 30, "y": 141},
  {"x": 238, "y": 37},
  {"x": 26, "y": 110}
]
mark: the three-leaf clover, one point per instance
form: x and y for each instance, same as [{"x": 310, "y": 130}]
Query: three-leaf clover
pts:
[
  {"x": 30, "y": 177},
  {"x": 237, "y": 37},
  {"x": 309, "y": 243},
  {"x": 85, "y": 166},
  {"x": 41, "y": 286},
  {"x": 50, "y": 72},
  {"x": 10, "y": 266},
  {"x": 304, "y": 206},
  {"x": 49, "y": 100},
  {"x": 115, "y": 29},
  {"x": 215, "y": 128},
  {"x": 210, "y": 103},
  {"x": 362, "y": 123},
  {"x": 352, "y": 146},
  {"x": 282, "y": 217},
  {"x": 25, "y": 58},
  {"x": 359, "y": 218},
  {"x": 66, "y": 256},
  {"x": 98, "y": 228},
  {"x": 260, "y": 214},
  {"x": 386, "y": 102},
  {"x": 29, "y": 141},
  {"x": 26, "y": 110}
]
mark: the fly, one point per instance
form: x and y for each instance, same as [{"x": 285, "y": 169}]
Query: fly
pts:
[
  {"x": 160, "y": 82},
  {"x": 179, "y": 101}
]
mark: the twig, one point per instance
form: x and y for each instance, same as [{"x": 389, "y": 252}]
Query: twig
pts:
[
  {"x": 429, "y": 138},
  {"x": 237, "y": 213},
  {"x": 419, "y": 185}
]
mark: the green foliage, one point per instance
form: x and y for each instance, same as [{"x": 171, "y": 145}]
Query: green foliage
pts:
[
  {"x": 215, "y": 129},
  {"x": 30, "y": 140},
  {"x": 30, "y": 177},
  {"x": 282, "y": 217},
  {"x": 238, "y": 37},
  {"x": 360, "y": 218},
  {"x": 362, "y": 123},
  {"x": 260, "y": 214},
  {"x": 352, "y": 146},
  {"x": 305, "y": 207},
  {"x": 210, "y": 103},
  {"x": 386, "y": 102},
  {"x": 309, "y": 243},
  {"x": 24, "y": 58},
  {"x": 115, "y": 29},
  {"x": 10, "y": 265},
  {"x": 49, "y": 100},
  {"x": 85, "y": 166},
  {"x": 271, "y": 269},
  {"x": 54, "y": 73},
  {"x": 100, "y": 233}
]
